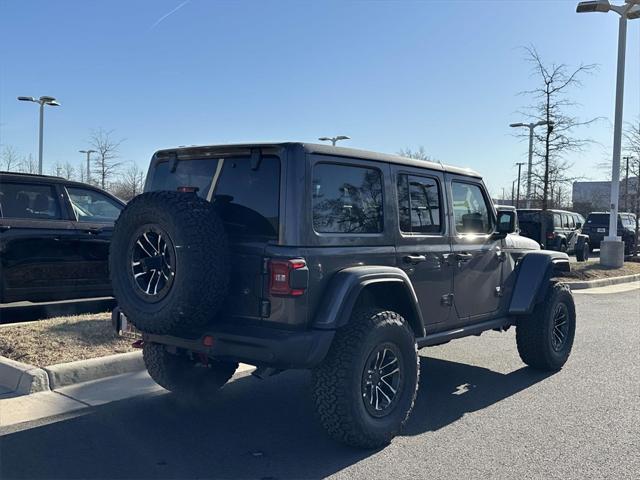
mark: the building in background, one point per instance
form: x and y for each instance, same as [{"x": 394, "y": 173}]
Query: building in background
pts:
[{"x": 595, "y": 196}]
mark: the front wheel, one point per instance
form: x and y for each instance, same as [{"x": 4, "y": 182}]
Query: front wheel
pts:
[
  {"x": 545, "y": 337},
  {"x": 365, "y": 388}
]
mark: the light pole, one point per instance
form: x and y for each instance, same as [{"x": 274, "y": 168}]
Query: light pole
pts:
[
  {"x": 531, "y": 127},
  {"x": 519, "y": 164},
  {"x": 335, "y": 139},
  {"x": 88, "y": 152},
  {"x": 612, "y": 247},
  {"x": 42, "y": 101}
]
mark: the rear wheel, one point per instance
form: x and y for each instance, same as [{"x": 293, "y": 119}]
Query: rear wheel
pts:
[
  {"x": 582, "y": 253},
  {"x": 545, "y": 337},
  {"x": 365, "y": 388},
  {"x": 185, "y": 374}
]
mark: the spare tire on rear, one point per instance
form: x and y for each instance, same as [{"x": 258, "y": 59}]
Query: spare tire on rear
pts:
[{"x": 169, "y": 262}]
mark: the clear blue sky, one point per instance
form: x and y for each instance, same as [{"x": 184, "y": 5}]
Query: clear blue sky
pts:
[{"x": 443, "y": 74}]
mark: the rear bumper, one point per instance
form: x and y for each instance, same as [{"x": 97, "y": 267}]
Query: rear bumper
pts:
[{"x": 255, "y": 345}]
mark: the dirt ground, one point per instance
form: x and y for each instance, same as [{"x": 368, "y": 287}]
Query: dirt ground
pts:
[
  {"x": 594, "y": 271},
  {"x": 63, "y": 339}
]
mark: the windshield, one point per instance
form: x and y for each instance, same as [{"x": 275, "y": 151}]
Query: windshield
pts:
[{"x": 246, "y": 198}]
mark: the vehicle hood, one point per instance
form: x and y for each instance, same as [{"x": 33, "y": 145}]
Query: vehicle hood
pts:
[{"x": 518, "y": 242}]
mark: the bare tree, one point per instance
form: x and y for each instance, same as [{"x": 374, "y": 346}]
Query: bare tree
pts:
[
  {"x": 68, "y": 171},
  {"x": 551, "y": 103},
  {"x": 131, "y": 183},
  {"x": 105, "y": 162},
  {"x": 29, "y": 164},
  {"x": 82, "y": 174},
  {"x": 632, "y": 145},
  {"x": 419, "y": 154},
  {"x": 10, "y": 160}
]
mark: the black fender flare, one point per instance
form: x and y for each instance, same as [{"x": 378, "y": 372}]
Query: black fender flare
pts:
[
  {"x": 535, "y": 270},
  {"x": 345, "y": 287}
]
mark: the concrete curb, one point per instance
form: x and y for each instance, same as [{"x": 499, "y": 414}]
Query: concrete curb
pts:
[
  {"x": 603, "y": 282},
  {"x": 22, "y": 378},
  {"x": 65, "y": 374}
]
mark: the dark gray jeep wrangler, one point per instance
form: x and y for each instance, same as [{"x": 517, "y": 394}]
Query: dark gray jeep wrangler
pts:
[{"x": 341, "y": 261}]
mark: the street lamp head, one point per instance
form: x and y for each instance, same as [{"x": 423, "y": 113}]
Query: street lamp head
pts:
[
  {"x": 602, "y": 6},
  {"x": 515, "y": 125},
  {"x": 343, "y": 137},
  {"x": 27, "y": 99},
  {"x": 324, "y": 139},
  {"x": 53, "y": 103},
  {"x": 47, "y": 99},
  {"x": 634, "y": 12}
]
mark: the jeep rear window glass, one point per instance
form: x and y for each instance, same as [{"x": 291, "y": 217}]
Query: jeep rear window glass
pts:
[
  {"x": 419, "y": 204},
  {"x": 524, "y": 217},
  {"x": 598, "y": 218},
  {"x": 470, "y": 210},
  {"x": 246, "y": 199},
  {"x": 20, "y": 200},
  {"x": 346, "y": 199}
]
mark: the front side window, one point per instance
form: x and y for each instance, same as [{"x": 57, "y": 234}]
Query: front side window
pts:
[
  {"x": 32, "y": 201},
  {"x": 346, "y": 199},
  {"x": 90, "y": 206},
  {"x": 419, "y": 204},
  {"x": 470, "y": 209}
]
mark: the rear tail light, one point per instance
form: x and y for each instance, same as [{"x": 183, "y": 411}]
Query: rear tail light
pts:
[
  {"x": 288, "y": 277},
  {"x": 188, "y": 189}
]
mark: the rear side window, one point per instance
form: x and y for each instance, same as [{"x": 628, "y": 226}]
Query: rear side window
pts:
[
  {"x": 91, "y": 206},
  {"x": 32, "y": 201},
  {"x": 419, "y": 204},
  {"x": 557, "y": 220},
  {"x": 346, "y": 199},
  {"x": 247, "y": 199},
  {"x": 471, "y": 211}
]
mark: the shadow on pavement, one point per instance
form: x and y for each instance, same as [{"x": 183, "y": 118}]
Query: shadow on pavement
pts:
[
  {"x": 26, "y": 312},
  {"x": 253, "y": 429}
]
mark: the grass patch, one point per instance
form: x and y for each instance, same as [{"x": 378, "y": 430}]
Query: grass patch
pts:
[
  {"x": 61, "y": 340},
  {"x": 595, "y": 271}
]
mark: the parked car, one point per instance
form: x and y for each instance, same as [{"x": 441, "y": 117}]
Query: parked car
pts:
[
  {"x": 54, "y": 238},
  {"x": 558, "y": 230},
  {"x": 340, "y": 261},
  {"x": 597, "y": 227}
]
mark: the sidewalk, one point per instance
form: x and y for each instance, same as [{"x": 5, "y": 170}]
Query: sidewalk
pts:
[{"x": 26, "y": 408}]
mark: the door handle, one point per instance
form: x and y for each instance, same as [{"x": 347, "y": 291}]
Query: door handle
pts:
[
  {"x": 93, "y": 230},
  {"x": 464, "y": 257},
  {"x": 414, "y": 258},
  {"x": 4, "y": 228}
]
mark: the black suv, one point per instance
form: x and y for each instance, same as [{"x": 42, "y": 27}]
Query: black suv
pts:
[
  {"x": 558, "y": 230},
  {"x": 54, "y": 238},
  {"x": 341, "y": 261},
  {"x": 597, "y": 227}
]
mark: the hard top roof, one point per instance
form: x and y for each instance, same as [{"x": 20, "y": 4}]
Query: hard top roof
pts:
[{"x": 323, "y": 149}]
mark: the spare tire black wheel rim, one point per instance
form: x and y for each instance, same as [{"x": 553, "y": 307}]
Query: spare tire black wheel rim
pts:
[
  {"x": 152, "y": 263},
  {"x": 560, "y": 330},
  {"x": 382, "y": 380}
]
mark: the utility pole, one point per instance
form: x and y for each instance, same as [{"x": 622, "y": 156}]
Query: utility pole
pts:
[{"x": 519, "y": 164}]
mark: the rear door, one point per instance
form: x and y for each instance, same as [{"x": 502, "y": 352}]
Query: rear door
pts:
[
  {"x": 424, "y": 243},
  {"x": 245, "y": 192},
  {"x": 94, "y": 214},
  {"x": 477, "y": 256},
  {"x": 36, "y": 243}
]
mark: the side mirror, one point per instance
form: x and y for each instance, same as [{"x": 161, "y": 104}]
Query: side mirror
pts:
[{"x": 506, "y": 223}]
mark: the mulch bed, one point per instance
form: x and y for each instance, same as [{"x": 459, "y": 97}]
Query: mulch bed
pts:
[
  {"x": 63, "y": 339},
  {"x": 595, "y": 271}
]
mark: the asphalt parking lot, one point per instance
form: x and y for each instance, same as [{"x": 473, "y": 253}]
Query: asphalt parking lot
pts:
[{"x": 480, "y": 413}]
